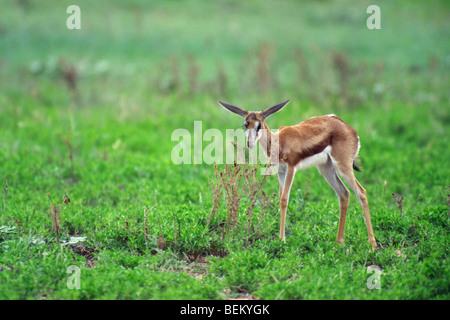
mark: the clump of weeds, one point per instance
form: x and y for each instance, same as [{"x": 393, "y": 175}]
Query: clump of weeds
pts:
[{"x": 238, "y": 190}]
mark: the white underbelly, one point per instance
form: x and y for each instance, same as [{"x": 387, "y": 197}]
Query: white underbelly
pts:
[{"x": 314, "y": 160}]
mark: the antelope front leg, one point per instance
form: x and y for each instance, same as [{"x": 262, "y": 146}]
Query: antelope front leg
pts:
[
  {"x": 284, "y": 198},
  {"x": 282, "y": 168}
]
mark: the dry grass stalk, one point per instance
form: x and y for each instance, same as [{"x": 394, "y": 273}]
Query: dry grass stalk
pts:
[
  {"x": 217, "y": 194},
  {"x": 161, "y": 242},
  {"x": 55, "y": 214},
  {"x": 231, "y": 179},
  {"x": 399, "y": 199},
  {"x": 254, "y": 188},
  {"x": 145, "y": 229},
  {"x": 4, "y": 203},
  {"x": 265, "y": 201}
]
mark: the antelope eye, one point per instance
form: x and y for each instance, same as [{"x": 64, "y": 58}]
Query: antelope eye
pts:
[
  {"x": 245, "y": 125},
  {"x": 258, "y": 127}
]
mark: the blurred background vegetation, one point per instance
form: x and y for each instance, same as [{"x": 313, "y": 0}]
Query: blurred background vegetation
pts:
[
  {"x": 164, "y": 64},
  {"x": 253, "y": 50}
]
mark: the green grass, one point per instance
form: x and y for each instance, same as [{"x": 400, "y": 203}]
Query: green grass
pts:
[{"x": 145, "y": 69}]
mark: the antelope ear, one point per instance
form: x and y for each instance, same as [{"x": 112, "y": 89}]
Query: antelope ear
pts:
[
  {"x": 274, "y": 108},
  {"x": 234, "y": 109}
]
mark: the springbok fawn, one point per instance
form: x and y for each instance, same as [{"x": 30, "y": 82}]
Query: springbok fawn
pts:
[{"x": 325, "y": 141}]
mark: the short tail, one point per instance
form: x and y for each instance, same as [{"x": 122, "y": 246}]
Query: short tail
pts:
[{"x": 355, "y": 167}]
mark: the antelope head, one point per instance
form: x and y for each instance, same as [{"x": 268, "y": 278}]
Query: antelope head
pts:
[{"x": 254, "y": 121}]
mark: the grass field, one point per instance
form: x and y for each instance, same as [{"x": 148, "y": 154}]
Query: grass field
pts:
[{"x": 88, "y": 115}]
